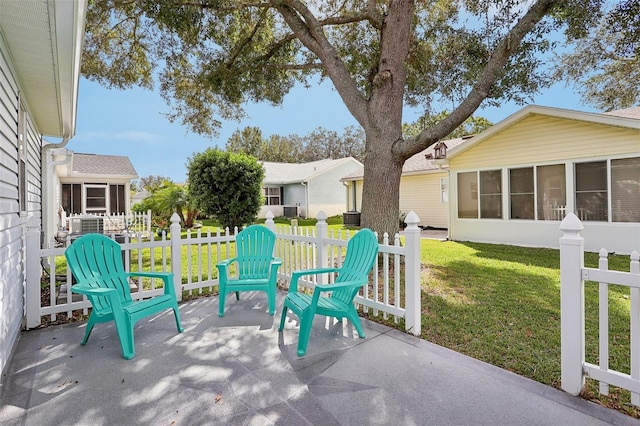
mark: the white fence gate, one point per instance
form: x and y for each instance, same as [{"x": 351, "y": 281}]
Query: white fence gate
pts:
[
  {"x": 389, "y": 292},
  {"x": 573, "y": 274}
]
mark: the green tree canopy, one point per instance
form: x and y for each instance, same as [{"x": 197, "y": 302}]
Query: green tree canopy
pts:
[
  {"x": 471, "y": 126},
  {"x": 226, "y": 185},
  {"x": 605, "y": 64},
  {"x": 165, "y": 199},
  {"x": 152, "y": 183},
  {"x": 211, "y": 56}
]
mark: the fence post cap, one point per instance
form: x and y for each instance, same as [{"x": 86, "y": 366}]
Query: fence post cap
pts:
[
  {"x": 175, "y": 218},
  {"x": 322, "y": 216},
  {"x": 269, "y": 215},
  {"x": 571, "y": 223},
  {"x": 412, "y": 219}
]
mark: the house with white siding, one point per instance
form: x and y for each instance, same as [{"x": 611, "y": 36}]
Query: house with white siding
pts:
[
  {"x": 515, "y": 182},
  {"x": 40, "y": 50},
  {"x": 93, "y": 184},
  {"x": 423, "y": 185},
  {"x": 304, "y": 189}
]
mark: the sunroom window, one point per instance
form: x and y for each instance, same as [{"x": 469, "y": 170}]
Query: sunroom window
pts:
[
  {"x": 591, "y": 191},
  {"x": 551, "y": 192},
  {"x": 625, "y": 190},
  {"x": 468, "y": 195},
  {"x": 491, "y": 194},
  {"x": 521, "y": 193}
]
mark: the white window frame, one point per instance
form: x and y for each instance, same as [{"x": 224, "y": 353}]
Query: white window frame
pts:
[{"x": 94, "y": 210}]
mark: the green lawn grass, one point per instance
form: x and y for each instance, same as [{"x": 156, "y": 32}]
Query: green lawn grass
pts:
[{"x": 501, "y": 304}]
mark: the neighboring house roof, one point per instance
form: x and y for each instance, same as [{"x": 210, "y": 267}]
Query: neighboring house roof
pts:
[
  {"x": 95, "y": 164},
  {"x": 418, "y": 163},
  {"x": 139, "y": 196},
  {"x": 286, "y": 173},
  {"x": 633, "y": 112},
  {"x": 45, "y": 41},
  {"x": 610, "y": 119}
]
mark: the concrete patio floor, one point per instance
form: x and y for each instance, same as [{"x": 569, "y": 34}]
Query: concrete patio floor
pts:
[{"x": 238, "y": 370}]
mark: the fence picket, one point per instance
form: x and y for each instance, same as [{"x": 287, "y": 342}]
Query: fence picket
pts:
[
  {"x": 299, "y": 247},
  {"x": 573, "y": 275}
]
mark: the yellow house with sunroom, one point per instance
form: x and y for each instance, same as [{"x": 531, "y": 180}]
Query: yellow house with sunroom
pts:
[{"x": 515, "y": 182}]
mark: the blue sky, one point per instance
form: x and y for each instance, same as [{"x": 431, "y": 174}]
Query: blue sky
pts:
[{"x": 131, "y": 123}]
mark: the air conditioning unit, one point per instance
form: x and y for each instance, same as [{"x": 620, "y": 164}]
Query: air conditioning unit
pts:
[
  {"x": 290, "y": 211},
  {"x": 86, "y": 224}
]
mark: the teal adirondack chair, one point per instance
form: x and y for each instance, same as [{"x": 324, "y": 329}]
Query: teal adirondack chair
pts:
[
  {"x": 362, "y": 251},
  {"x": 256, "y": 267},
  {"x": 96, "y": 262}
]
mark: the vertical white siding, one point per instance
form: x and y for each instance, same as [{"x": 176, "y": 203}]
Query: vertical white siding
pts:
[{"x": 12, "y": 278}]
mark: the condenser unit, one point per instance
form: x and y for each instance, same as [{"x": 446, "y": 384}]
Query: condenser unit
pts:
[{"x": 86, "y": 224}]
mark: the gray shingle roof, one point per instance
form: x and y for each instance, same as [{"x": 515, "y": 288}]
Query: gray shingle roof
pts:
[
  {"x": 96, "y": 164},
  {"x": 280, "y": 173},
  {"x": 633, "y": 112},
  {"x": 419, "y": 162}
]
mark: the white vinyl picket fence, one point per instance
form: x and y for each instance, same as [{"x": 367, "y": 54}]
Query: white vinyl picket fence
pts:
[
  {"x": 573, "y": 275},
  {"x": 390, "y": 292}
]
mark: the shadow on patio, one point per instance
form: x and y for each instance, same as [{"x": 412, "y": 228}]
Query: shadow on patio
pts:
[{"x": 240, "y": 370}]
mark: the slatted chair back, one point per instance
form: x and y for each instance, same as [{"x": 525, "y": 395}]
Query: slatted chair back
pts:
[
  {"x": 362, "y": 250},
  {"x": 96, "y": 261},
  {"x": 254, "y": 251}
]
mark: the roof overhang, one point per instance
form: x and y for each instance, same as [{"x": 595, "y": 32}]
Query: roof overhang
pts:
[{"x": 44, "y": 39}]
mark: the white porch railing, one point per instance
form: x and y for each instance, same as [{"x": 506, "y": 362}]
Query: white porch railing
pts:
[
  {"x": 390, "y": 292},
  {"x": 136, "y": 224},
  {"x": 573, "y": 274}
]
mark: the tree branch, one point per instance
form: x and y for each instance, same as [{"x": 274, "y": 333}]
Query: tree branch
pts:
[
  {"x": 310, "y": 33},
  {"x": 490, "y": 74}
]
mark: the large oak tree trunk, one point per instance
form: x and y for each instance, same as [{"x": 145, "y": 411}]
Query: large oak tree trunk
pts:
[{"x": 381, "y": 191}]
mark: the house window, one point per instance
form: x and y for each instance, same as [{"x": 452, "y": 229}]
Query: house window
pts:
[
  {"x": 468, "y": 195},
  {"x": 625, "y": 190},
  {"x": 551, "y": 192},
  {"x": 272, "y": 196},
  {"x": 591, "y": 191},
  {"x": 116, "y": 199},
  {"x": 22, "y": 159},
  {"x": 71, "y": 198},
  {"x": 491, "y": 194},
  {"x": 96, "y": 198},
  {"x": 444, "y": 190},
  {"x": 521, "y": 193}
]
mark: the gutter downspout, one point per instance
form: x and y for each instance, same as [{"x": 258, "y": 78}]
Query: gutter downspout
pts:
[
  {"x": 47, "y": 184},
  {"x": 306, "y": 198}
]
